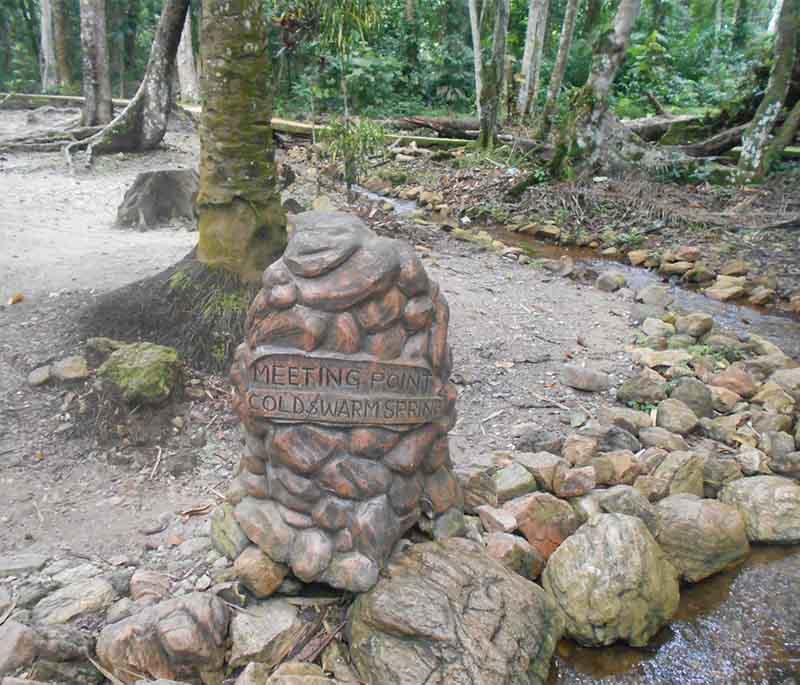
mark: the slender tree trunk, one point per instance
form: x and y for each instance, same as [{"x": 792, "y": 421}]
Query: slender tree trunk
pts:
[
  {"x": 594, "y": 10},
  {"x": 740, "y": 20},
  {"x": 187, "y": 70},
  {"x": 492, "y": 76},
  {"x": 242, "y": 224},
  {"x": 60, "y": 42},
  {"x": 96, "y": 76},
  {"x": 560, "y": 68},
  {"x": 532, "y": 56},
  {"x": 774, "y": 19},
  {"x": 129, "y": 43},
  {"x": 412, "y": 36},
  {"x": 477, "y": 60},
  {"x": 753, "y": 161},
  {"x": 47, "y": 53},
  {"x": 719, "y": 17},
  {"x": 29, "y": 17}
]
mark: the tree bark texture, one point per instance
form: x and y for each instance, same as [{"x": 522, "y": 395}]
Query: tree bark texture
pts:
[
  {"x": 740, "y": 21},
  {"x": 477, "y": 60},
  {"x": 774, "y": 19},
  {"x": 492, "y": 76},
  {"x": 753, "y": 162},
  {"x": 532, "y": 56},
  {"x": 60, "y": 43},
  {"x": 241, "y": 221},
  {"x": 94, "y": 51},
  {"x": 187, "y": 67},
  {"x": 47, "y": 54},
  {"x": 560, "y": 67}
]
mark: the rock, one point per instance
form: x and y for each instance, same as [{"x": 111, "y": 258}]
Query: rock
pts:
[
  {"x": 296, "y": 673},
  {"x": 98, "y": 349},
  {"x": 683, "y": 473},
  {"x": 574, "y": 482},
  {"x": 776, "y": 444},
  {"x": 579, "y": 450},
  {"x": 610, "y": 281},
  {"x": 735, "y": 379},
  {"x": 543, "y": 466},
  {"x": 764, "y": 422},
  {"x": 496, "y": 520},
  {"x": 658, "y": 358},
  {"x": 775, "y": 399},
  {"x": 638, "y": 257},
  {"x": 675, "y": 268},
  {"x": 610, "y": 438},
  {"x": 662, "y": 438},
  {"x": 718, "y": 471},
  {"x": 40, "y": 376},
  {"x": 529, "y": 437},
  {"x": 624, "y": 499},
  {"x": 143, "y": 373},
  {"x": 435, "y": 601},
  {"x": 652, "y": 487},
  {"x": 674, "y": 416},
  {"x": 642, "y": 389},
  {"x": 752, "y": 461},
  {"x": 736, "y": 267},
  {"x": 658, "y": 295},
  {"x": 658, "y": 328},
  {"x": 150, "y": 586},
  {"x": 258, "y": 572},
  {"x": 266, "y": 633},
  {"x": 612, "y": 582},
  {"x": 616, "y": 468},
  {"x": 727, "y": 288},
  {"x": 630, "y": 420},
  {"x": 696, "y": 324},
  {"x": 699, "y": 273},
  {"x": 227, "y": 536},
  {"x": 761, "y": 295},
  {"x": 728, "y": 429},
  {"x": 786, "y": 464},
  {"x": 81, "y": 598},
  {"x": 72, "y": 368},
  {"x": 695, "y": 395},
  {"x": 650, "y": 458},
  {"x": 770, "y": 506},
  {"x": 158, "y": 197},
  {"x": 254, "y": 674},
  {"x": 515, "y": 554},
  {"x": 789, "y": 380},
  {"x": 723, "y": 400},
  {"x": 17, "y": 647},
  {"x": 512, "y": 481},
  {"x": 178, "y": 638},
  {"x": 582, "y": 378},
  {"x": 21, "y": 564},
  {"x": 701, "y": 537},
  {"x": 544, "y": 520}
]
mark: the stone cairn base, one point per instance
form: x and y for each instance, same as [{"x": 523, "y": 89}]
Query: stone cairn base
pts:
[{"x": 342, "y": 388}]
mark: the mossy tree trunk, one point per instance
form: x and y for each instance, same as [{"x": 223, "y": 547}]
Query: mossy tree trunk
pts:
[
  {"x": 187, "y": 67},
  {"x": 532, "y": 56},
  {"x": 143, "y": 123},
  {"x": 60, "y": 43},
  {"x": 560, "y": 67},
  {"x": 241, "y": 221},
  {"x": 492, "y": 77},
  {"x": 47, "y": 54},
  {"x": 754, "y": 160}
]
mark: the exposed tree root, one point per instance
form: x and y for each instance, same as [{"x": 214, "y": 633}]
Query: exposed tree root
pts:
[{"x": 198, "y": 310}]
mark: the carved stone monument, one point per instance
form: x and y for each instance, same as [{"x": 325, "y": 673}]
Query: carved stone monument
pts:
[{"x": 342, "y": 388}]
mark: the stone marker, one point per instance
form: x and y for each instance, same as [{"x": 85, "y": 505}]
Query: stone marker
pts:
[{"x": 342, "y": 388}]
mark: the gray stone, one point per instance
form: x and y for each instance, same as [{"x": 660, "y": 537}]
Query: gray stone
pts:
[
  {"x": 21, "y": 564},
  {"x": 40, "y": 376},
  {"x": 662, "y": 438},
  {"x": 642, "y": 389},
  {"x": 696, "y": 324},
  {"x": 770, "y": 506},
  {"x": 17, "y": 647},
  {"x": 655, "y": 295},
  {"x": 610, "y": 438},
  {"x": 701, "y": 537},
  {"x": 515, "y": 554},
  {"x": 674, "y": 416},
  {"x": 583, "y": 378},
  {"x": 227, "y": 535},
  {"x": 612, "y": 582},
  {"x": 683, "y": 473},
  {"x": 786, "y": 465},
  {"x": 85, "y": 597},
  {"x": 512, "y": 481},
  {"x": 695, "y": 395},
  {"x": 72, "y": 368},
  {"x": 543, "y": 466},
  {"x": 265, "y": 633},
  {"x": 789, "y": 380},
  {"x": 610, "y": 281},
  {"x": 718, "y": 471},
  {"x": 658, "y": 328},
  {"x": 776, "y": 444},
  {"x": 631, "y": 420},
  {"x": 625, "y": 499},
  {"x": 752, "y": 461},
  {"x": 530, "y": 437},
  {"x": 435, "y": 601}
]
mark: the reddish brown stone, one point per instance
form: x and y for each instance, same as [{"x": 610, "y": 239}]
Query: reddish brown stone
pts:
[
  {"x": 443, "y": 491},
  {"x": 438, "y": 456},
  {"x": 387, "y": 344},
  {"x": 344, "y": 335},
  {"x": 258, "y": 573},
  {"x": 375, "y": 528},
  {"x": 296, "y": 484},
  {"x": 440, "y": 351},
  {"x": 263, "y": 524},
  {"x": 380, "y": 313},
  {"x": 258, "y": 309},
  {"x": 294, "y": 518},
  {"x": 305, "y": 448},
  {"x": 254, "y": 485},
  {"x": 321, "y": 241},
  {"x": 298, "y": 327},
  {"x": 418, "y": 313},
  {"x": 354, "y": 478},
  {"x": 311, "y": 554},
  {"x": 372, "y": 442},
  {"x": 276, "y": 274},
  {"x": 735, "y": 379},
  {"x": 279, "y": 493},
  {"x": 332, "y": 512},
  {"x": 545, "y": 521},
  {"x": 351, "y": 571},
  {"x": 150, "y": 586},
  {"x": 412, "y": 280},
  {"x": 253, "y": 465},
  {"x": 411, "y": 450},
  {"x": 283, "y": 296},
  {"x": 343, "y": 541},
  {"x": 404, "y": 493}
]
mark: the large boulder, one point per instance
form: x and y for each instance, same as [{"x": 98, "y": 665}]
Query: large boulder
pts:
[
  {"x": 683, "y": 473},
  {"x": 700, "y": 536},
  {"x": 158, "y": 197},
  {"x": 612, "y": 582},
  {"x": 770, "y": 506},
  {"x": 179, "y": 638},
  {"x": 143, "y": 373},
  {"x": 447, "y": 614}
]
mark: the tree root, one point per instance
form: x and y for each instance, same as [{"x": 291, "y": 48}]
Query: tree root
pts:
[
  {"x": 47, "y": 141},
  {"x": 199, "y": 310}
]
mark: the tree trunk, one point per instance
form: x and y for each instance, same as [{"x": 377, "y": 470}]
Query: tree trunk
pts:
[
  {"x": 774, "y": 19},
  {"x": 532, "y": 56},
  {"x": 187, "y": 70},
  {"x": 740, "y": 20},
  {"x": 590, "y": 130},
  {"x": 96, "y": 76},
  {"x": 47, "y": 54},
  {"x": 129, "y": 44},
  {"x": 29, "y": 17},
  {"x": 718, "y": 22},
  {"x": 785, "y": 135},
  {"x": 63, "y": 72},
  {"x": 477, "y": 60},
  {"x": 143, "y": 123},
  {"x": 560, "y": 68},
  {"x": 241, "y": 221},
  {"x": 658, "y": 13},
  {"x": 492, "y": 76},
  {"x": 753, "y": 162},
  {"x": 594, "y": 11}
]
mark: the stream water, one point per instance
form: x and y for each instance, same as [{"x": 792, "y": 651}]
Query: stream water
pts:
[{"x": 739, "y": 627}]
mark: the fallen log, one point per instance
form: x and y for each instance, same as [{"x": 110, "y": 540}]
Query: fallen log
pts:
[
  {"x": 715, "y": 145},
  {"x": 35, "y": 100},
  {"x": 652, "y": 128}
]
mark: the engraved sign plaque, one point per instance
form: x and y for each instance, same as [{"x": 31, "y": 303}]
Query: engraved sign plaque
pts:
[{"x": 342, "y": 386}]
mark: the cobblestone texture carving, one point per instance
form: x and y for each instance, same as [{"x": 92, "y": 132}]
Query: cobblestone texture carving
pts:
[{"x": 342, "y": 388}]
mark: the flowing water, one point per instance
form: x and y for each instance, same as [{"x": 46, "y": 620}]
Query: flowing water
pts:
[{"x": 739, "y": 627}]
